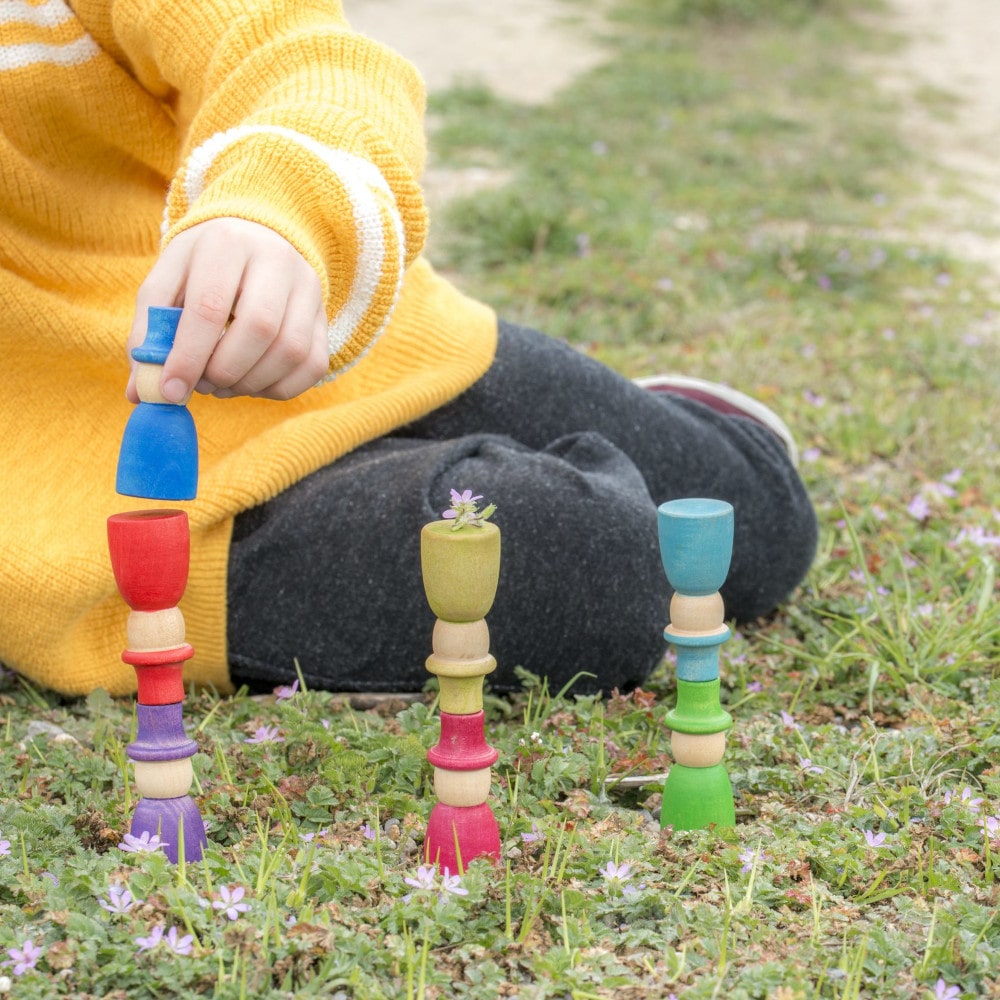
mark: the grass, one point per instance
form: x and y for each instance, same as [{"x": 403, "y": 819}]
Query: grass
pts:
[{"x": 731, "y": 197}]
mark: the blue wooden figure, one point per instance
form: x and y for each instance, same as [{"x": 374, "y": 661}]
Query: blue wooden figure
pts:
[
  {"x": 159, "y": 452},
  {"x": 696, "y": 545}
]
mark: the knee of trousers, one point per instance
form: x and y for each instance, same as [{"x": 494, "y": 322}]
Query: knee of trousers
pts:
[
  {"x": 582, "y": 590},
  {"x": 774, "y": 547}
]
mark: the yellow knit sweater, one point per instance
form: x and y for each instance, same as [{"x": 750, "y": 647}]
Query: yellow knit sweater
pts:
[{"x": 122, "y": 123}]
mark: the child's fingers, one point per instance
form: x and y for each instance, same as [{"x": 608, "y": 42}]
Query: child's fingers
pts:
[{"x": 292, "y": 364}]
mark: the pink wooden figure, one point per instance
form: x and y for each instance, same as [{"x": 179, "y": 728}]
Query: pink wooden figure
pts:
[{"x": 461, "y": 569}]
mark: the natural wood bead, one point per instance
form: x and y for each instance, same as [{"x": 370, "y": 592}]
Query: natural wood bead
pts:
[
  {"x": 698, "y": 751},
  {"x": 147, "y": 384},
  {"x": 460, "y": 695},
  {"x": 168, "y": 779},
  {"x": 461, "y": 640},
  {"x": 460, "y": 668},
  {"x": 147, "y": 630},
  {"x": 696, "y": 615},
  {"x": 462, "y": 788}
]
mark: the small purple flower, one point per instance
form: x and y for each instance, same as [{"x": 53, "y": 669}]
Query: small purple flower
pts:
[
  {"x": 616, "y": 873},
  {"x": 457, "y": 499},
  {"x": 120, "y": 901},
  {"x": 230, "y": 902},
  {"x": 966, "y": 799},
  {"x": 452, "y": 884},
  {"x": 266, "y": 734},
  {"x": 534, "y": 836},
  {"x": 4, "y": 847},
  {"x": 424, "y": 878},
  {"x": 750, "y": 858},
  {"x": 755, "y": 687},
  {"x": 942, "y": 991},
  {"x": 308, "y": 838},
  {"x": 809, "y": 767},
  {"x": 971, "y": 803},
  {"x": 285, "y": 691},
  {"x": 977, "y": 536},
  {"x": 465, "y": 510},
  {"x": 177, "y": 944},
  {"x": 368, "y": 833},
  {"x": 918, "y": 508},
  {"x": 942, "y": 489},
  {"x": 788, "y": 720},
  {"x": 148, "y": 943},
  {"x": 143, "y": 844},
  {"x": 23, "y": 959},
  {"x": 874, "y": 839}
]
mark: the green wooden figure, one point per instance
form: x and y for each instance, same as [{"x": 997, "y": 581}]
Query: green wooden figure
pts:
[{"x": 696, "y": 546}]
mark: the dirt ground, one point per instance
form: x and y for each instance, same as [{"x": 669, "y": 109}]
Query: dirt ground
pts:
[
  {"x": 526, "y": 50},
  {"x": 951, "y": 49}
]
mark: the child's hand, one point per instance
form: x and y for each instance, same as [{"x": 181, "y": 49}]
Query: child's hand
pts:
[{"x": 253, "y": 323}]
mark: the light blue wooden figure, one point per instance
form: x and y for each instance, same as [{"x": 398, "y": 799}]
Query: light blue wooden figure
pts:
[
  {"x": 159, "y": 452},
  {"x": 696, "y": 546}
]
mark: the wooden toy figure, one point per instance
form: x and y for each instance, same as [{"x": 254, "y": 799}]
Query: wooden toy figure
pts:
[
  {"x": 159, "y": 452},
  {"x": 460, "y": 562},
  {"x": 696, "y": 546},
  {"x": 150, "y": 554}
]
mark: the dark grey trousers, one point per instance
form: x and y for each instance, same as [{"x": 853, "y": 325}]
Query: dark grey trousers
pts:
[{"x": 577, "y": 459}]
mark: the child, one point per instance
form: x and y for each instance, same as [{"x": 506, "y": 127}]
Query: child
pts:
[{"x": 258, "y": 163}]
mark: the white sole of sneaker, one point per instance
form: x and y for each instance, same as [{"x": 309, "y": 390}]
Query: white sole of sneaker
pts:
[{"x": 735, "y": 399}]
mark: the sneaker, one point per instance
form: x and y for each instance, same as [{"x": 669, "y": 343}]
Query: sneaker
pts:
[{"x": 723, "y": 399}]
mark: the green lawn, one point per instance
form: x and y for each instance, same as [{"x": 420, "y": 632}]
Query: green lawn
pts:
[{"x": 732, "y": 197}]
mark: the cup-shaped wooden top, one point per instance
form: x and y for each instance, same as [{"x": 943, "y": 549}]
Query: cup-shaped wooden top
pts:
[
  {"x": 696, "y": 544},
  {"x": 150, "y": 552},
  {"x": 461, "y": 569}
]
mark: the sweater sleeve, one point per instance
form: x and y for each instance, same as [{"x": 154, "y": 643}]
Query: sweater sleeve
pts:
[{"x": 287, "y": 118}]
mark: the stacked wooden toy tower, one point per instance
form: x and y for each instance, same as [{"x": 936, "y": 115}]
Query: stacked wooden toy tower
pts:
[
  {"x": 460, "y": 573},
  {"x": 149, "y": 554},
  {"x": 696, "y": 545}
]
